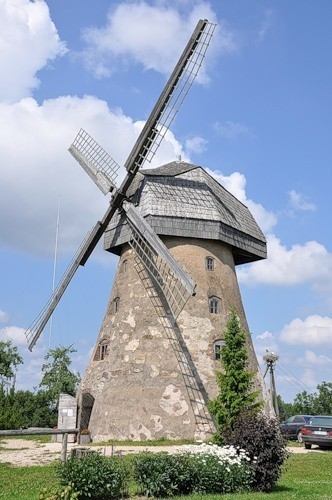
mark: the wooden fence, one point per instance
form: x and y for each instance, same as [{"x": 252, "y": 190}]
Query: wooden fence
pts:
[{"x": 39, "y": 432}]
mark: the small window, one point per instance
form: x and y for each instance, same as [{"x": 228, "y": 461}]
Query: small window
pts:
[
  {"x": 209, "y": 263},
  {"x": 217, "y": 345},
  {"x": 214, "y": 305},
  {"x": 102, "y": 350},
  {"x": 115, "y": 305},
  {"x": 124, "y": 266}
]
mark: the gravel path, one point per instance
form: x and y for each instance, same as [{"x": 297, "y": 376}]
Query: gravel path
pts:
[{"x": 21, "y": 452}]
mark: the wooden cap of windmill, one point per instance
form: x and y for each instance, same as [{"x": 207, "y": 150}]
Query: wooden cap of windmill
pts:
[{"x": 181, "y": 199}]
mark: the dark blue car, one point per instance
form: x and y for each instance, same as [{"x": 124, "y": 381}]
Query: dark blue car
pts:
[{"x": 293, "y": 425}]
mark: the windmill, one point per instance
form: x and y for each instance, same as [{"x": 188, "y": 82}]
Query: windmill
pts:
[{"x": 179, "y": 235}]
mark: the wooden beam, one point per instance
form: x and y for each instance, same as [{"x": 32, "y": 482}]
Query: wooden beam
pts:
[{"x": 37, "y": 432}]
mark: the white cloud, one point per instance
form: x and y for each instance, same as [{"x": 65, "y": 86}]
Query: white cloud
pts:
[
  {"x": 3, "y": 317},
  {"x": 309, "y": 378},
  {"x": 313, "y": 331},
  {"x": 307, "y": 263},
  {"x": 235, "y": 184},
  {"x": 151, "y": 35},
  {"x": 15, "y": 334},
  {"x": 266, "y": 24},
  {"x": 230, "y": 130},
  {"x": 265, "y": 335},
  {"x": 37, "y": 168},
  {"x": 195, "y": 145},
  {"x": 263, "y": 343},
  {"x": 28, "y": 40},
  {"x": 312, "y": 358},
  {"x": 298, "y": 202}
]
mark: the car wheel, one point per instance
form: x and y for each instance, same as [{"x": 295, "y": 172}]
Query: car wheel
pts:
[
  {"x": 299, "y": 437},
  {"x": 307, "y": 446}
]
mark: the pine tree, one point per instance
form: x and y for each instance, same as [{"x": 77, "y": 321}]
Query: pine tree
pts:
[{"x": 235, "y": 382}]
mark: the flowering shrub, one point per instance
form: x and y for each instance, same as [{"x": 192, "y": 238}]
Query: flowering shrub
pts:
[
  {"x": 219, "y": 469},
  {"x": 195, "y": 468}
]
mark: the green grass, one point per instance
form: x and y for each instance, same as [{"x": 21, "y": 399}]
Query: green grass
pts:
[
  {"x": 25, "y": 483},
  {"x": 155, "y": 442},
  {"x": 307, "y": 476}
]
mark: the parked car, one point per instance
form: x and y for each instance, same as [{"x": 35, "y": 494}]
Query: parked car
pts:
[
  {"x": 293, "y": 425},
  {"x": 318, "y": 431}
]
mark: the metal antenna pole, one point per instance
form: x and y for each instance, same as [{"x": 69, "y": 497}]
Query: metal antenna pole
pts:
[{"x": 54, "y": 266}]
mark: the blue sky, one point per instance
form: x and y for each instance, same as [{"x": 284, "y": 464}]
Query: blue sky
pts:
[{"x": 259, "y": 119}]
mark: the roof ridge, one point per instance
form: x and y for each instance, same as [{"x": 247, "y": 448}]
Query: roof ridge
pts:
[{"x": 171, "y": 169}]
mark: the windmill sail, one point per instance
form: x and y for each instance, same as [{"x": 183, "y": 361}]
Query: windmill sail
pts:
[
  {"x": 172, "y": 97},
  {"x": 173, "y": 281},
  {"x": 35, "y": 329},
  {"x": 165, "y": 271},
  {"x": 95, "y": 160}
]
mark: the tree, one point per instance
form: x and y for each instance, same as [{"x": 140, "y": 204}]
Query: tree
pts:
[
  {"x": 235, "y": 382},
  {"x": 9, "y": 361},
  {"x": 316, "y": 403},
  {"x": 57, "y": 377},
  {"x": 25, "y": 409},
  {"x": 304, "y": 403},
  {"x": 324, "y": 399},
  {"x": 286, "y": 410}
]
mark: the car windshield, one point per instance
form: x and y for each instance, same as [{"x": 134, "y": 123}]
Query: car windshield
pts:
[{"x": 321, "y": 421}]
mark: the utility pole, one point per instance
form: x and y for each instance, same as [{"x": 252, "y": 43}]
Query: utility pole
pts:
[{"x": 270, "y": 358}]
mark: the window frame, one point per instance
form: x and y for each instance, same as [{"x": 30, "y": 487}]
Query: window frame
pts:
[
  {"x": 209, "y": 263},
  {"x": 115, "y": 305},
  {"x": 102, "y": 350},
  {"x": 214, "y": 305},
  {"x": 219, "y": 343},
  {"x": 103, "y": 345}
]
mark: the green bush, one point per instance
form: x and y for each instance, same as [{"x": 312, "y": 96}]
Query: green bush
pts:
[
  {"x": 260, "y": 436},
  {"x": 161, "y": 475},
  {"x": 94, "y": 476}
]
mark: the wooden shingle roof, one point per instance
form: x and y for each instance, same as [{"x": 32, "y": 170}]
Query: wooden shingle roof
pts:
[
  {"x": 170, "y": 169},
  {"x": 181, "y": 199}
]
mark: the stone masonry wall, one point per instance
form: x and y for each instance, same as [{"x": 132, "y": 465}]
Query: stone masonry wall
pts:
[{"x": 140, "y": 388}]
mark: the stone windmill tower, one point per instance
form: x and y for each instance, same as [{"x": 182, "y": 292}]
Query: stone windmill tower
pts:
[
  {"x": 152, "y": 370},
  {"x": 149, "y": 375}
]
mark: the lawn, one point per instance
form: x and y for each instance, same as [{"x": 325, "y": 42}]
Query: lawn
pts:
[
  {"x": 306, "y": 476},
  {"x": 23, "y": 483}
]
